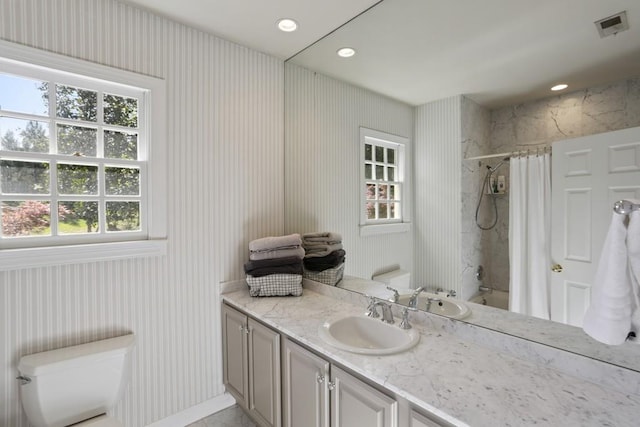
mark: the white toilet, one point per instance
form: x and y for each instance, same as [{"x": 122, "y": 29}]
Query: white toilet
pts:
[{"x": 76, "y": 385}]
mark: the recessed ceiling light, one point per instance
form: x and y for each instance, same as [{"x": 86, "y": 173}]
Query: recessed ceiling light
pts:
[
  {"x": 559, "y": 87},
  {"x": 287, "y": 25},
  {"x": 346, "y": 52}
]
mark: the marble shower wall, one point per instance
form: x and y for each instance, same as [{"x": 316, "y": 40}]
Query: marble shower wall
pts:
[
  {"x": 585, "y": 112},
  {"x": 475, "y": 142}
]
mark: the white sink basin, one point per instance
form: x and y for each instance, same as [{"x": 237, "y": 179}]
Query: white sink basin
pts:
[
  {"x": 365, "y": 335},
  {"x": 448, "y": 307}
]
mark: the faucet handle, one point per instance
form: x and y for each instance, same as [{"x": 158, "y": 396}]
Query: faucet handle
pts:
[
  {"x": 396, "y": 294},
  {"x": 404, "y": 324},
  {"x": 371, "y": 308}
]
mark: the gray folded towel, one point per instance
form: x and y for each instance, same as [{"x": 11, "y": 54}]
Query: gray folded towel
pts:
[
  {"x": 290, "y": 241},
  {"x": 321, "y": 250},
  {"x": 321, "y": 237},
  {"x": 277, "y": 253}
]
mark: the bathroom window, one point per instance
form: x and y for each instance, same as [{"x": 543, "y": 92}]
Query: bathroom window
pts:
[
  {"x": 384, "y": 201},
  {"x": 75, "y": 152}
]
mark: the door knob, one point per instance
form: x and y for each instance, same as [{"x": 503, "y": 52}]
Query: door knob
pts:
[{"x": 557, "y": 268}]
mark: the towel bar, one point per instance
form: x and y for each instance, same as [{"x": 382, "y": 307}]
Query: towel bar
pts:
[{"x": 625, "y": 207}]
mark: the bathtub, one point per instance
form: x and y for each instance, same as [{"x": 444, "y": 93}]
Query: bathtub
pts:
[{"x": 493, "y": 298}]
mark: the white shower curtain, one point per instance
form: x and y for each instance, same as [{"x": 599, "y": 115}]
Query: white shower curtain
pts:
[{"x": 530, "y": 235}]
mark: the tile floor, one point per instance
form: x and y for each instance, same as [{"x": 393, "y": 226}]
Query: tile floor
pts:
[{"x": 230, "y": 417}]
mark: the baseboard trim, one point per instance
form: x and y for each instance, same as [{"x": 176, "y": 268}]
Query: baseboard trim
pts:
[{"x": 194, "y": 413}]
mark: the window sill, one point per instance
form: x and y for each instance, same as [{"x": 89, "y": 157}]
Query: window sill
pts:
[
  {"x": 374, "y": 230},
  {"x": 13, "y": 259}
]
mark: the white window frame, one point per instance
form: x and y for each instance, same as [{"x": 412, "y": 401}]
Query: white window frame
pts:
[
  {"x": 29, "y": 62},
  {"x": 400, "y": 144}
]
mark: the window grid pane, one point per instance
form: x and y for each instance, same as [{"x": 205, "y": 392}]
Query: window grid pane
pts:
[
  {"x": 77, "y": 179},
  {"x": 24, "y": 135},
  {"x": 78, "y": 217},
  {"x": 27, "y": 218},
  {"x": 21, "y": 177},
  {"x": 76, "y": 104}
]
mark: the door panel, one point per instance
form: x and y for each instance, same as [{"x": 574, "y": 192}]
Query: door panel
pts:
[
  {"x": 305, "y": 391},
  {"x": 234, "y": 350},
  {"x": 264, "y": 374},
  {"x": 355, "y": 403}
]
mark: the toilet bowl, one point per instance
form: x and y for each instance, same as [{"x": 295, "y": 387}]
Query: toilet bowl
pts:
[{"x": 76, "y": 385}]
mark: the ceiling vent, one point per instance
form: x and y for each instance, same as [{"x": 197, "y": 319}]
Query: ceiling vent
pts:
[{"x": 612, "y": 24}]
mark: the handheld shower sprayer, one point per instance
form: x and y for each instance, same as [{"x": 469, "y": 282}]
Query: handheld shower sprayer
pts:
[{"x": 490, "y": 171}]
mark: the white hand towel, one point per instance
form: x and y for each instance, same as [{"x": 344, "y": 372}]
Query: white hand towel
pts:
[
  {"x": 633, "y": 249},
  {"x": 608, "y": 318}
]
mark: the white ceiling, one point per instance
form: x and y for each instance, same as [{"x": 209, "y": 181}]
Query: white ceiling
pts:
[
  {"x": 252, "y": 23},
  {"x": 497, "y": 52}
]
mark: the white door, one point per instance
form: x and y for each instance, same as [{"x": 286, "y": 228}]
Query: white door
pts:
[{"x": 588, "y": 174}]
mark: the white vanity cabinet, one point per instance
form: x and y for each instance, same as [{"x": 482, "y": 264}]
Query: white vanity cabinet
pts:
[
  {"x": 314, "y": 388},
  {"x": 281, "y": 383},
  {"x": 251, "y": 366}
]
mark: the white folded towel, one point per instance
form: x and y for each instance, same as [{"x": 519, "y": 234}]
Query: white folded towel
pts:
[{"x": 608, "y": 318}]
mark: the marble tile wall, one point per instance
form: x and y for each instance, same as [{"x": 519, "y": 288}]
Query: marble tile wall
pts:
[
  {"x": 475, "y": 142},
  {"x": 518, "y": 127}
]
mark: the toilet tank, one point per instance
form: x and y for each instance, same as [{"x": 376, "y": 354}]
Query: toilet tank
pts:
[
  {"x": 71, "y": 384},
  {"x": 397, "y": 279}
]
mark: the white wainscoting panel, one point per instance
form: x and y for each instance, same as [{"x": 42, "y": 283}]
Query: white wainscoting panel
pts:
[
  {"x": 438, "y": 140},
  {"x": 225, "y": 188}
]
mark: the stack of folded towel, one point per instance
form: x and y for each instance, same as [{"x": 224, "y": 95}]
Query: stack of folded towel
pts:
[
  {"x": 275, "y": 266},
  {"x": 324, "y": 257}
]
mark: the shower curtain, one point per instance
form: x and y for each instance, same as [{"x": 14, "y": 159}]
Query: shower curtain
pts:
[{"x": 530, "y": 235}]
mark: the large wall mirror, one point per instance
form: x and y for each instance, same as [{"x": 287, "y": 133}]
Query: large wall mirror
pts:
[{"x": 467, "y": 83}]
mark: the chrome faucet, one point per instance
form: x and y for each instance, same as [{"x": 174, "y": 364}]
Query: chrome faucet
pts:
[
  {"x": 371, "y": 309},
  {"x": 413, "y": 300},
  {"x": 387, "y": 315},
  {"x": 395, "y": 296}
]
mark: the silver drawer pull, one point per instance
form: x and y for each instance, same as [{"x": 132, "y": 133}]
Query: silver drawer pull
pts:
[
  {"x": 319, "y": 378},
  {"x": 331, "y": 385}
]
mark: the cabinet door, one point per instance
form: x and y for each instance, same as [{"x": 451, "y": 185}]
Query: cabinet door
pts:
[
  {"x": 416, "y": 419},
  {"x": 355, "y": 403},
  {"x": 264, "y": 375},
  {"x": 305, "y": 390},
  {"x": 234, "y": 352}
]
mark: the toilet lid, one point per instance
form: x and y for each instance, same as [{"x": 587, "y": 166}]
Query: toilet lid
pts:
[{"x": 101, "y": 421}]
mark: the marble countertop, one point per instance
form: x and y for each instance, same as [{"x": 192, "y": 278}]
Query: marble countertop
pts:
[
  {"x": 545, "y": 332},
  {"x": 458, "y": 380}
]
